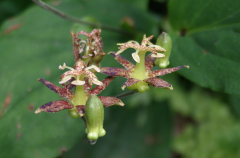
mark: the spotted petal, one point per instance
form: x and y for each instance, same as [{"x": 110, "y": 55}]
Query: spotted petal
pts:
[
  {"x": 157, "y": 82},
  {"x": 80, "y": 109},
  {"x": 129, "y": 82},
  {"x": 162, "y": 72},
  {"x": 124, "y": 62},
  {"x": 99, "y": 89},
  {"x": 93, "y": 78},
  {"x": 69, "y": 85},
  {"x": 54, "y": 106},
  {"x": 109, "y": 101},
  {"x": 115, "y": 71},
  {"x": 63, "y": 92},
  {"x": 149, "y": 62},
  {"x": 146, "y": 40}
]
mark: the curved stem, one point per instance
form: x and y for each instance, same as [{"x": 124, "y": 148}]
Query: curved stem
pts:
[
  {"x": 126, "y": 94},
  {"x": 73, "y": 19}
]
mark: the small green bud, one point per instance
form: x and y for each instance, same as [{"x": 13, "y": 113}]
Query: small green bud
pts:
[
  {"x": 94, "y": 114},
  {"x": 164, "y": 40},
  {"x": 74, "y": 113},
  {"x": 140, "y": 86},
  {"x": 132, "y": 87}
]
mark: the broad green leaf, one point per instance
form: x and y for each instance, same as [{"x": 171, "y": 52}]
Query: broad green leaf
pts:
[
  {"x": 214, "y": 133},
  {"x": 234, "y": 100},
  {"x": 207, "y": 127},
  {"x": 140, "y": 4},
  {"x": 34, "y": 49},
  {"x": 206, "y": 37}
]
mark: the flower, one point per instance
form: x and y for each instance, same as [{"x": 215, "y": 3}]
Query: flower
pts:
[
  {"x": 140, "y": 76},
  {"x": 79, "y": 71},
  {"x": 92, "y": 47},
  {"x": 82, "y": 79},
  {"x": 146, "y": 46},
  {"x": 146, "y": 76}
]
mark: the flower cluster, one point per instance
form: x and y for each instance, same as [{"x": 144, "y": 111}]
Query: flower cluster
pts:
[{"x": 77, "y": 82}]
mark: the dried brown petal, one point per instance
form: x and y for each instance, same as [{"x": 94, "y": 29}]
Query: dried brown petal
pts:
[
  {"x": 63, "y": 92},
  {"x": 115, "y": 71},
  {"x": 76, "y": 47},
  {"x": 157, "y": 82},
  {"x": 109, "y": 101},
  {"x": 54, "y": 106},
  {"x": 100, "y": 88}
]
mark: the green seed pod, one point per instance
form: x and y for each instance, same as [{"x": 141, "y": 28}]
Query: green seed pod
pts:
[
  {"x": 74, "y": 113},
  {"x": 164, "y": 40},
  {"x": 94, "y": 114}
]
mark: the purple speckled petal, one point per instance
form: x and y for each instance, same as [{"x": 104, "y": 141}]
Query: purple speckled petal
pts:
[
  {"x": 114, "y": 71},
  {"x": 162, "y": 72},
  {"x": 109, "y": 101},
  {"x": 64, "y": 92},
  {"x": 124, "y": 62},
  {"x": 149, "y": 62},
  {"x": 54, "y": 106},
  {"x": 157, "y": 82},
  {"x": 100, "y": 88},
  {"x": 129, "y": 82},
  {"x": 80, "y": 109}
]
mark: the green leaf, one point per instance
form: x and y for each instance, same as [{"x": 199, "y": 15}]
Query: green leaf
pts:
[
  {"x": 204, "y": 126},
  {"x": 127, "y": 138},
  {"x": 214, "y": 131},
  {"x": 206, "y": 37},
  {"x": 34, "y": 49}
]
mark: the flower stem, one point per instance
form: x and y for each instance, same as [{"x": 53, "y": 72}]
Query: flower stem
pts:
[
  {"x": 126, "y": 94},
  {"x": 73, "y": 19}
]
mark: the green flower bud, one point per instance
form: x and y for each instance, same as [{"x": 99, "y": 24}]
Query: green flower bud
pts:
[
  {"x": 164, "y": 40},
  {"x": 140, "y": 86},
  {"x": 94, "y": 114},
  {"x": 132, "y": 87},
  {"x": 74, "y": 113}
]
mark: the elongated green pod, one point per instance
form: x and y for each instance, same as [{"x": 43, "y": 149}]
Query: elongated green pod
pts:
[
  {"x": 94, "y": 114},
  {"x": 164, "y": 40}
]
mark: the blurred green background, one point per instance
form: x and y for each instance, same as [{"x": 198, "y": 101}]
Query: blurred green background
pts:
[{"x": 198, "y": 119}]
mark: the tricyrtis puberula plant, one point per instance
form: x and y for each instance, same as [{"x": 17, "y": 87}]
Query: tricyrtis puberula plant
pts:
[{"x": 77, "y": 82}]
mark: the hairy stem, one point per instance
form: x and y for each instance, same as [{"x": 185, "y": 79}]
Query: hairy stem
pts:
[{"x": 73, "y": 19}]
